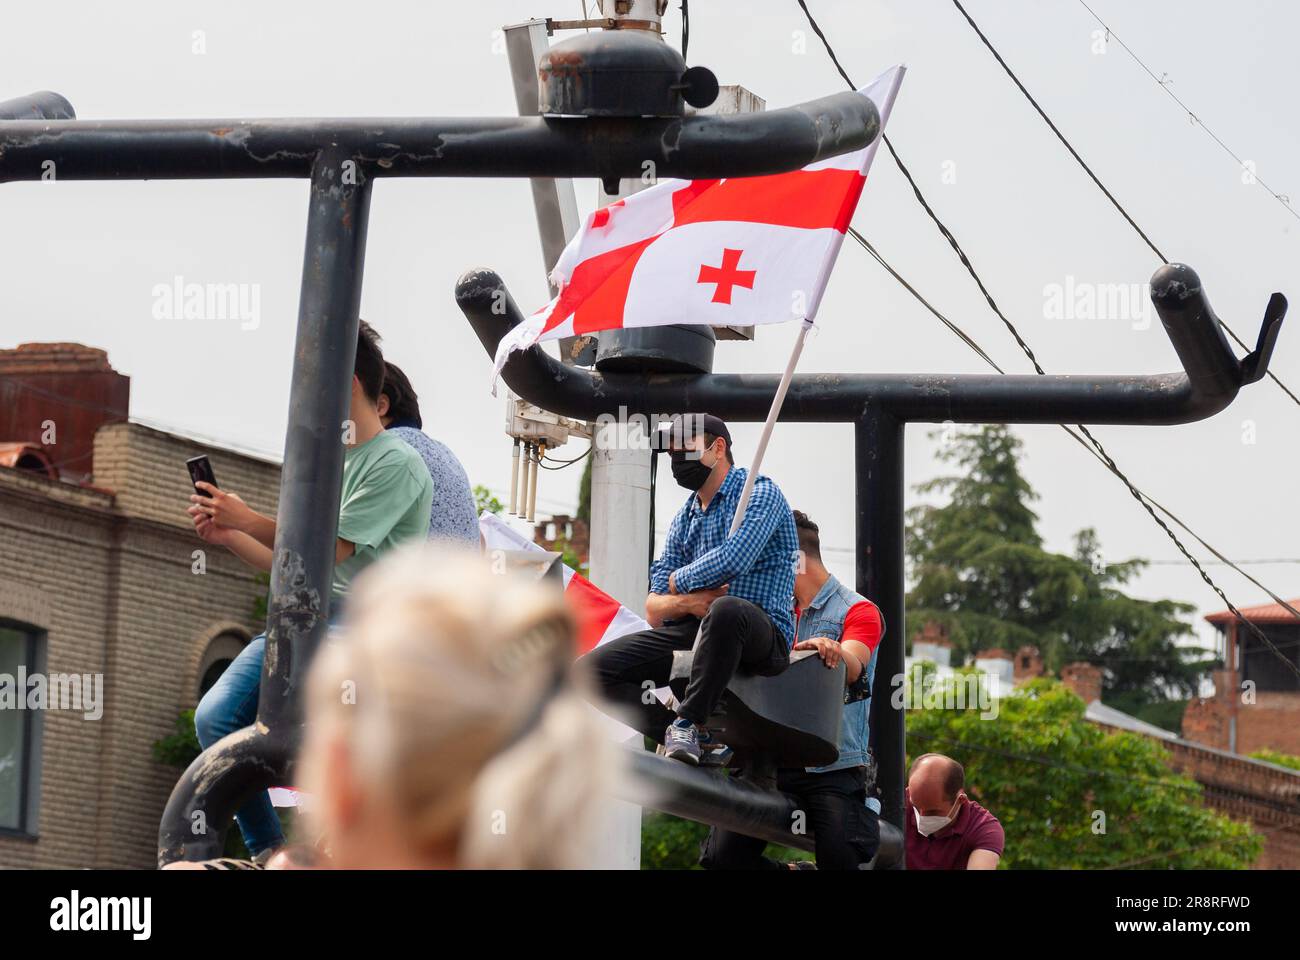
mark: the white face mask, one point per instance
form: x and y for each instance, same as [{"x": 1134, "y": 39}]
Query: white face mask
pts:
[{"x": 928, "y": 825}]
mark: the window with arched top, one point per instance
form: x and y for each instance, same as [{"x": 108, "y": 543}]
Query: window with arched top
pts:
[{"x": 220, "y": 651}]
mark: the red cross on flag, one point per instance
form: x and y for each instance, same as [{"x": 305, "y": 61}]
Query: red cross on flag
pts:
[{"x": 737, "y": 251}]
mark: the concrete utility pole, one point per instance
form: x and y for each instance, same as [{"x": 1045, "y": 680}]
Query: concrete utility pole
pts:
[
  {"x": 620, "y": 505},
  {"x": 621, "y": 538}
]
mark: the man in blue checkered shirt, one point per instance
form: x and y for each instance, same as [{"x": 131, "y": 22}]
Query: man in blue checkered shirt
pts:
[{"x": 736, "y": 592}]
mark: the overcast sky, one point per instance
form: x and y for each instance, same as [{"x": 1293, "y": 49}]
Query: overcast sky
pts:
[{"x": 80, "y": 261}]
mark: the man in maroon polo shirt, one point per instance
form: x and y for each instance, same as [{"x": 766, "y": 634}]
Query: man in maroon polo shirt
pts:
[{"x": 942, "y": 827}]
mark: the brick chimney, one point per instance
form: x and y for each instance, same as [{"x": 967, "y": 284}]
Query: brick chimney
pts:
[
  {"x": 931, "y": 643},
  {"x": 563, "y": 530},
  {"x": 55, "y": 396},
  {"x": 1028, "y": 663},
  {"x": 1084, "y": 679}
]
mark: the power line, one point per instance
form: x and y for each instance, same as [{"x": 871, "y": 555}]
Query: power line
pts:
[
  {"x": 1224, "y": 563},
  {"x": 1088, "y": 170},
  {"x": 1164, "y": 85},
  {"x": 1099, "y": 452},
  {"x": 1096, "y": 447}
]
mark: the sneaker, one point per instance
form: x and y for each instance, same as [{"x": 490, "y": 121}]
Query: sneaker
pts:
[
  {"x": 682, "y": 742},
  {"x": 713, "y": 752}
]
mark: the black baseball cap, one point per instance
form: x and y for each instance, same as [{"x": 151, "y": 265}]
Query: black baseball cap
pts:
[{"x": 686, "y": 426}]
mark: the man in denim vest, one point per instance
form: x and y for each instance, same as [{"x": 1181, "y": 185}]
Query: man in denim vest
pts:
[{"x": 839, "y": 625}]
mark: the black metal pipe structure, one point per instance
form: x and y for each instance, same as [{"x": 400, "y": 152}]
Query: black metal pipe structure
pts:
[
  {"x": 1210, "y": 379},
  {"x": 880, "y": 406},
  {"x": 731, "y": 803},
  {"x": 608, "y": 147},
  {"x": 342, "y": 157},
  {"x": 42, "y": 105},
  {"x": 297, "y": 616}
]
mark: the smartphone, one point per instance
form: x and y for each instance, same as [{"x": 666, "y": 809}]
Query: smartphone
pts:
[{"x": 201, "y": 469}]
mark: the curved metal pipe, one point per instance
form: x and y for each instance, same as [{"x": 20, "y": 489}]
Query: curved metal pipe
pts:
[
  {"x": 691, "y": 147},
  {"x": 729, "y": 803},
  {"x": 1210, "y": 382},
  {"x": 205, "y": 798},
  {"x": 41, "y": 105}
]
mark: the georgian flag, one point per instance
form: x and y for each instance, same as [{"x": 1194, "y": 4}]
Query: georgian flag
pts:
[
  {"x": 599, "y": 616},
  {"x": 736, "y": 251}
]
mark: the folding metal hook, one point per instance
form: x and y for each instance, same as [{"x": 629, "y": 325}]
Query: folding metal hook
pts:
[{"x": 1254, "y": 365}]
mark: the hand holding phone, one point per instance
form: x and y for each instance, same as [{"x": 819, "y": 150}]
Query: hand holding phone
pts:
[{"x": 200, "y": 471}]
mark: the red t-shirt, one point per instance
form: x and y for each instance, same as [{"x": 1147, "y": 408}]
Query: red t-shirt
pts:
[
  {"x": 950, "y": 848},
  {"x": 862, "y": 623}
]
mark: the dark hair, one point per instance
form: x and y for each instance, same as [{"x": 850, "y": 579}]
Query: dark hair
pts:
[
  {"x": 403, "y": 403},
  {"x": 710, "y": 439},
  {"x": 809, "y": 535},
  {"x": 369, "y": 367}
]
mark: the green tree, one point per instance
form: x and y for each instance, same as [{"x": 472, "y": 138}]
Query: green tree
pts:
[
  {"x": 979, "y": 567},
  {"x": 1071, "y": 795},
  {"x": 670, "y": 843},
  {"x": 180, "y": 747},
  {"x": 485, "y": 502},
  {"x": 584, "y": 491},
  {"x": 1274, "y": 756}
]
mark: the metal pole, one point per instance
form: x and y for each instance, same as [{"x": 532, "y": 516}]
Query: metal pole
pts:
[
  {"x": 226, "y": 149},
  {"x": 878, "y": 446},
  {"x": 514, "y": 477},
  {"x": 311, "y": 479},
  {"x": 222, "y": 777},
  {"x": 782, "y": 388}
]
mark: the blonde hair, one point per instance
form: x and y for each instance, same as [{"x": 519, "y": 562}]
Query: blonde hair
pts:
[{"x": 450, "y": 687}]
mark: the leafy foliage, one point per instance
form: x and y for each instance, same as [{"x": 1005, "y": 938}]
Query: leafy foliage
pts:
[
  {"x": 670, "y": 843},
  {"x": 1071, "y": 795},
  {"x": 979, "y": 567},
  {"x": 485, "y": 502},
  {"x": 179, "y": 748},
  {"x": 262, "y": 600},
  {"x": 584, "y": 491},
  {"x": 1273, "y": 756}
]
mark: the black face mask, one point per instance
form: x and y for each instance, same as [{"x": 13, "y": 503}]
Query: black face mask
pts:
[{"x": 689, "y": 473}]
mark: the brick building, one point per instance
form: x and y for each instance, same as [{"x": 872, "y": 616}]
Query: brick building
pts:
[
  {"x": 1256, "y": 702},
  {"x": 1266, "y": 794},
  {"x": 99, "y": 576},
  {"x": 563, "y": 532}
]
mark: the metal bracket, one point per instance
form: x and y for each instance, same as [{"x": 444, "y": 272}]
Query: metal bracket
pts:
[
  {"x": 1255, "y": 364},
  {"x": 602, "y": 23}
]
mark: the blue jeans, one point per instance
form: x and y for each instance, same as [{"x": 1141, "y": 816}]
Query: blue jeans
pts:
[{"x": 231, "y": 705}]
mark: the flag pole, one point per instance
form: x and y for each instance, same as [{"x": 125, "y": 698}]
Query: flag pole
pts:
[{"x": 777, "y": 402}]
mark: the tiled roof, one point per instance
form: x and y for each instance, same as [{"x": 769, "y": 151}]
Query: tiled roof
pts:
[{"x": 1264, "y": 613}]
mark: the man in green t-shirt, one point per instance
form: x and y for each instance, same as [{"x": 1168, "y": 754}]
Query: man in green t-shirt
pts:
[{"x": 386, "y": 498}]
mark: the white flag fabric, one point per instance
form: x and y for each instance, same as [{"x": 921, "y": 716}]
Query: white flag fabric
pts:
[{"x": 731, "y": 252}]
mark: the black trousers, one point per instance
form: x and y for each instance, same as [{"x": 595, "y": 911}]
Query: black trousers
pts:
[
  {"x": 735, "y": 634},
  {"x": 846, "y": 831}
]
